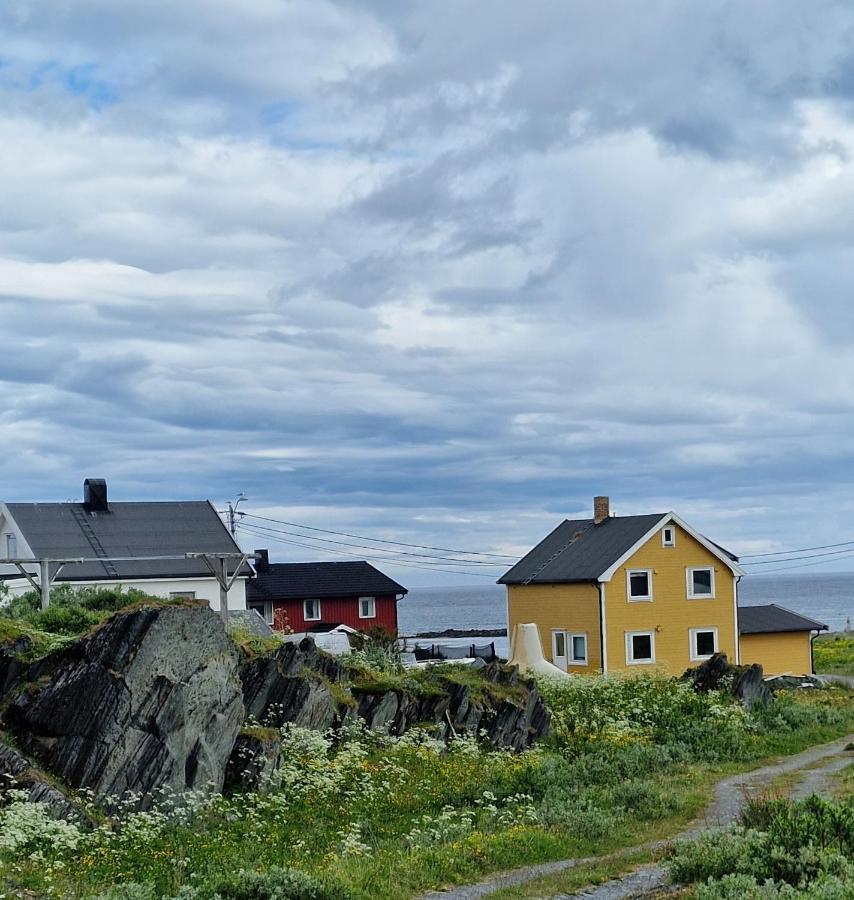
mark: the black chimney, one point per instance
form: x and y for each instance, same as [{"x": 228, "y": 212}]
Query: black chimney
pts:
[
  {"x": 262, "y": 560},
  {"x": 95, "y": 495}
]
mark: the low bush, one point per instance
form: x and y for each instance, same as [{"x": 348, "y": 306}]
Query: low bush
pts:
[
  {"x": 275, "y": 884},
  {"x": 778, "y": 848},
  {"x": 67, "y": 620}
]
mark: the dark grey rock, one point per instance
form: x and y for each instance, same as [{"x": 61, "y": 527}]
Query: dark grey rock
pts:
[
  {"x": 12, "y": 667},
  {"x": 745, "y": 682},
  {"x": 254, "y": 761},
  {"x": 511, "y": 724},
  {"x": 17, "y": 772},
  {"x": 293, "y": 685},
  {"x": 750, "y": 687},
  {"x": 149, "y": 699},
  {"x": 249, "y": 620}
]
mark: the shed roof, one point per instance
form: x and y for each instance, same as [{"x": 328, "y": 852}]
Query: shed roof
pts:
[
  {"x": 294, "y": 581},
  {"x": 168, "y": 528},
  {"x": 772, "y": 618}
]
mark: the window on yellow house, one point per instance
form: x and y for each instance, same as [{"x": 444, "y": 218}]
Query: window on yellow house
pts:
[
  {"x": 701, "y": 583},
  {"x": 640, "y": 647},
  {"x": 640, "y": 584},
  {"x": 704, "y": 642}
]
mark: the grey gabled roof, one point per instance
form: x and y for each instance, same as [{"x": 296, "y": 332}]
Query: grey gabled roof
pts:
[
  {"x": 169, "y": 528},
  {"x": 580, "y": 550},
  {"x": 773, "y": 618},
  {"x": 295, "y": 581}
]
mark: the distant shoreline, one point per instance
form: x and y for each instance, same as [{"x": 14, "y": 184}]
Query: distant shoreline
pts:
[{"x": 459, "y": 633}]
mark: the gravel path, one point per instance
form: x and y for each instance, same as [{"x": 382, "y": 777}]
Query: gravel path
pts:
[{"x": 729, "y": 798}]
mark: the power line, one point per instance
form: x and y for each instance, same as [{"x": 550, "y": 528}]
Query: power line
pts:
[
  {"x": 363, "y": 537},
  {"x": 798, "y": 550},
  {"x": 800, "y": 566},
  {"x": 771, "y": 562},
  {"x": 437, "y": 567},
  {"x": 470, "y": 562}
]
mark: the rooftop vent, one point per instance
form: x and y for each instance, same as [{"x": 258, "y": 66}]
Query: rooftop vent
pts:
[{"x": 95, "y": 495}]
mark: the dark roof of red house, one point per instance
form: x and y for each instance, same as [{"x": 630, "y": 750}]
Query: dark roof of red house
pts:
[{"x": 296, "y": 581}]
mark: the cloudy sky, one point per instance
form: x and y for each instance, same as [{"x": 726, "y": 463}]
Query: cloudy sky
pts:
[{"x": 433, "y": 272}]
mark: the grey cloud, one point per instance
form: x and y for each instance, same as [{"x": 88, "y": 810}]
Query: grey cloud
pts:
[{"x": 481, "y": 267}]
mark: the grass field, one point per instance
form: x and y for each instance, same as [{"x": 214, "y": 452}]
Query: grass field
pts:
[{"x": 834, "y": 654}]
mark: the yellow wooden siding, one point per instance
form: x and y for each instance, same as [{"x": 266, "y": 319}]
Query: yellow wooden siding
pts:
[
  {"x": 670, "y": 614},
  {"x": 778, "y": 653},
  {"x": 566, "y": 607}
]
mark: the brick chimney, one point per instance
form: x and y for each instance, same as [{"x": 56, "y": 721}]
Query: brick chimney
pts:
[{"x": 601, "y": 509}]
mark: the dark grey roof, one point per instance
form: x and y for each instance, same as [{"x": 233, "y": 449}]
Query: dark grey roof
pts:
[
  {"x": 294, "y": 581},
  {"x": 129, "y": 529},
  {"x": 579, "y": 550},
  {"x": 771, "y": 618}
]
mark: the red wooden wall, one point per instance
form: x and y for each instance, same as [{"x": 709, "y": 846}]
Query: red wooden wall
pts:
[{"x": 337, "y": 611}]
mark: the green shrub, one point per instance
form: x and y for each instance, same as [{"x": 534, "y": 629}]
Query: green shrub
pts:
[
  {"x": 65, "y": 619},
  {"x": 276, "y": 884}
]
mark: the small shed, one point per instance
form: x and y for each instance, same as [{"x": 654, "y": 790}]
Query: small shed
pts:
[{"x": 777, "y": 638}]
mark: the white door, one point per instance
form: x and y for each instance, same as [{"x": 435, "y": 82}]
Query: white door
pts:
[{"x": 559, "y": 649}]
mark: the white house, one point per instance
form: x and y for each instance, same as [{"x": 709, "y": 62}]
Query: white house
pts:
[{"x": 123, "y": 537}]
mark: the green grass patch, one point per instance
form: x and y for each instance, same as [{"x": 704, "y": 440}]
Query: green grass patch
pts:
[
  {"x": 834, "y": 654},
  {"x": 253, "y": 645}
]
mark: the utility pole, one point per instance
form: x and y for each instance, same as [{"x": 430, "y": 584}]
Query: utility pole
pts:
[{"x": 232, "y": 512}]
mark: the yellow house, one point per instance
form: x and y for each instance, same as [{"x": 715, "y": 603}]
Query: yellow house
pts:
[{"x": 631, "y": 593}]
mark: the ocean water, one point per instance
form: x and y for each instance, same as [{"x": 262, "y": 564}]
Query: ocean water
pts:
[{"x": 826, "y": 598}]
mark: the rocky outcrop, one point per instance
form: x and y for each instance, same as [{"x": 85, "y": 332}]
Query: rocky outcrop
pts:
[
  {"x": 303, "y": 685},
  {"x": 745, "y": 682},
  {"x": 158, "y": 696},
  {"x": 149, "y": 699},
  {"x": 296, "y": 684}
]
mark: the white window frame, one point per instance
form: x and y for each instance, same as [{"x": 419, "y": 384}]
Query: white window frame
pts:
[
  {"x": 372, "y": 607},
  {"x": 648, "y": 596},
  {"x": 689, "y": 582},
  {"x": 558, "y": 633},
  {"x": 692, "y": 643},
  {"x": 630, "y": 661},
  {"x": 182, "y": 595},
  {"x": 305, "y": 614},
  {"x": 11, "y": 545},
  {"x": 672, "y": 541},
  {"x": 570, "y": 646}
]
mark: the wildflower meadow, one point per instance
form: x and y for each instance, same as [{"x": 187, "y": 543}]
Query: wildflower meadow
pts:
[{"x": 361, "y": 814}]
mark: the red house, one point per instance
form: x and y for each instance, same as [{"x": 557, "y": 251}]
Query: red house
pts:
[{"x": 321, "y": 595}]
